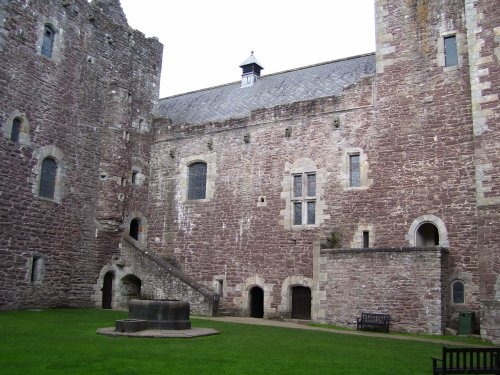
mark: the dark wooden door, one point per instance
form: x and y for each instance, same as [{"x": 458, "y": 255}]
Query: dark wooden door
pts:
[
  {"x": 107, "y": 291},
  {"x": 256, "y": 302},
  {"x": 301, "y": 303}
]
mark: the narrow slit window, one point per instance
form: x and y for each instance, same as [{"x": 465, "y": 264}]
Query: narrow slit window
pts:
[
  {"x": 311, "y": 212},
  {"x": 36, "y": 270},
  {"x": 297, "y": 186},
  {"x": 450, "y": 50},
  {"x": 311, "y": 185},
  {"x": 48, "y": 178},
  {"x": 16, "y": 130},
  {"x": 297, "y": 213},
  {"x": 354, "y": 171},
  {"x": 134, "y": 177},
  {"x": 48, "y": 41},
  {"x": 366, "y": 239}
]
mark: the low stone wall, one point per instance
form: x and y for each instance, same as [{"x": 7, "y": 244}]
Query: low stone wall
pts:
[{"x": 403, "y": 282}]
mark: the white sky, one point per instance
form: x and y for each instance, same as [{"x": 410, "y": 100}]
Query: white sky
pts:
[{"x": 205, "y": 41}]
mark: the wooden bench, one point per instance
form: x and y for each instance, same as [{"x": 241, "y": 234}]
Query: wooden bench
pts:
[
  {"x": 373, "y": 320},
  {"x": 467, "y": 361}
]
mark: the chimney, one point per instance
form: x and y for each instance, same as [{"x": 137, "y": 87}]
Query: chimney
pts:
[{"x": 251, "y": 71}]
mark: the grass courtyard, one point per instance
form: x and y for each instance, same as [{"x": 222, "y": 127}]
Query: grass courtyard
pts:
[{"x": 65, "y": 342}]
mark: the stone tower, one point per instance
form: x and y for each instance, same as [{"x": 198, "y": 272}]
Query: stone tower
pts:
[
  {"x": 437, "y": 86},
  {"x": 79, "y": 89}
]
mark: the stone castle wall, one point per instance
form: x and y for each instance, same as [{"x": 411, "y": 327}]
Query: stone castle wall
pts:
[
  {"x": 483, "y": 33},
  {"x": 405, "y": 283},
  {"x": 66, "y": 105}
]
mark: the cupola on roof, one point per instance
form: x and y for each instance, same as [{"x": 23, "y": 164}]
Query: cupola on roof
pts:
[{"x": 251, "y": 71}]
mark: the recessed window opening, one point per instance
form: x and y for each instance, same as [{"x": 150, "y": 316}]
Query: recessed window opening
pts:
[
  {"x": 16, "y": 130},
  {"x": 48, "y": 41},
  {"x": 135, "y": 228},
  {"x": 197, "y": 184},
  {"x": 427, "y": 235},
  {"x": 48, "y": 178},
  {"x": 36, "y": 270},
  {"x": 304, "y": 198},
  {"x": 458, "y": 292},
  {"x": 354, "y": 171},
  {"x": 134, "y": 177},
  {"x": 366, "y": 239},
  {"x": 450, "y": 50},
  {"x": 220, "y": 287}
]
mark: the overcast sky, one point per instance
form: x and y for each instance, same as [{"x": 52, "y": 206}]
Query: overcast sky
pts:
[{"x": 206, "y": 41}]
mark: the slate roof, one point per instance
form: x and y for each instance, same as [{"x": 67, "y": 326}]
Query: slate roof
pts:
[{"x": 232, "y": 101}]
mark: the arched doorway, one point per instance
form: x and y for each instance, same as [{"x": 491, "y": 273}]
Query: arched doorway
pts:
[
  {"x": 301, "y": 303},
  {"x": 135, "y": 229},
  {"x": 131, "y": 288},
  {"x": 256, "y": 302},
  {"x": 427, "y": 235},
  {"x": 107, "y": 290}
]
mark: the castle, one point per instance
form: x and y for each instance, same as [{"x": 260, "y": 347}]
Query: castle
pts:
[{"x": 364, "y": 184}]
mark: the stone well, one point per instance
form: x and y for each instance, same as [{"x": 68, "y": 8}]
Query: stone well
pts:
[{"x": 155, "y": 314}]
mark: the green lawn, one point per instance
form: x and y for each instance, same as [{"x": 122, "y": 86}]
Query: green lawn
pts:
[{"x": 65, "y": 342}]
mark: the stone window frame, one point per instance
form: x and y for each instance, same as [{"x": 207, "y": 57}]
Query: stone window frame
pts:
[
  {"x": 57, "y": 45},
  {"x": 441, "y": 57},
  {"x": 304, "y": 199},
  {"x": 452, "y": 292},
  {"x": 365, "y": 183},
  {"x": 197, "y": 180},
  {"x": 136, "y": 176},
  {"x": 358, "y": 239},
  {"x": 36, "y": 270},
  {"x": 24, "y": 131},
  {"x": 142, "y": 235},
  {"x": 57, "y": 155},
  {"x": 302, "y": 166},
  {"x": 411, "y": 236},
  {"x": 210, "y": 159}
]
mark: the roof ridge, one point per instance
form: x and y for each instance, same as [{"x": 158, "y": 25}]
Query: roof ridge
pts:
[{"x": 271, "y": 74}]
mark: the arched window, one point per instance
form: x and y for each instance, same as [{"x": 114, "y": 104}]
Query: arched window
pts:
[
  {"x": 48, "y": 41},
  {"x": 48, "y": 178},
  {"x": 458, "y": 292},
  {"x": 427, "y": 235},
  {"x": 135, "y": 229},
  {"x": 16, "y": 130},
  {"x": 197, "y": 184}
]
